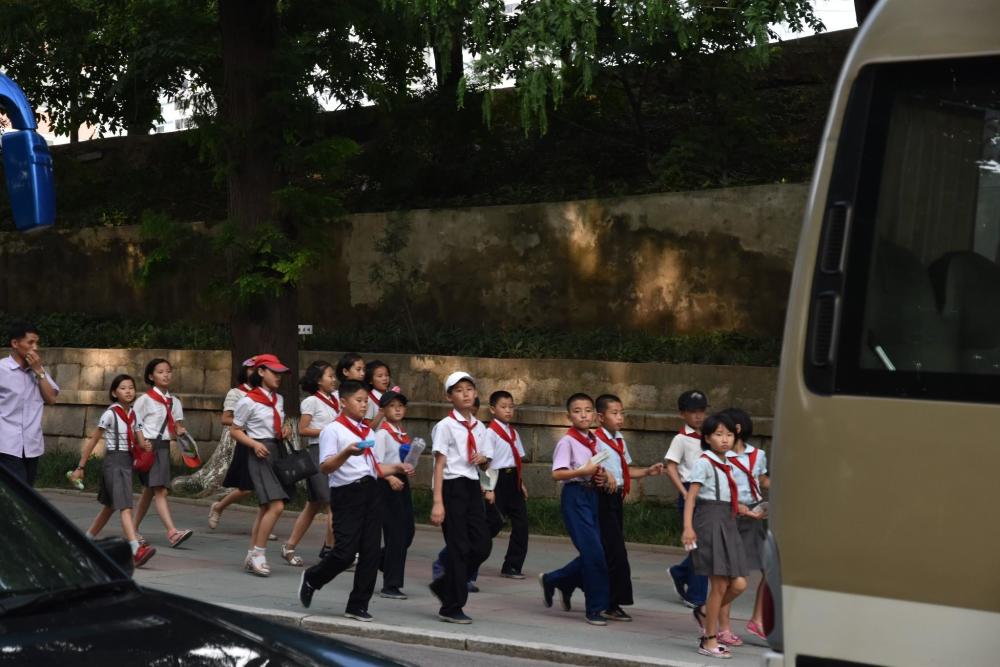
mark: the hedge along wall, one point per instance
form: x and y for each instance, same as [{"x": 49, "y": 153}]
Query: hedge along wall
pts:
[
  {"x": 667, "y": 263},
  {"x": 540, "y": 388}
]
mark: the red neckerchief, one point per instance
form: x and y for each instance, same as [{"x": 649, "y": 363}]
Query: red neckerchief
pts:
[
  {"x": 129, "y": 419},
  {"x": 258, "y": 396},
  {"x": 331, "y": 401},
  {"x": 245, "y": 388},
  {"x": 588, "y": 441},
  {"x": 169, "y": 402},
  {"x": 470, "y": 440},
  {"x": 734, "y": 503},
  {"x": 618, "y": 445},
  {"x": 371, "y": 395},
  {"x": 693, "y": 434},
  {"x": 510, "y": 439},
  {"x": 398, "y": 436},
  {"x": 754, "y": 488},
  {"x": 362, "y": 433}
]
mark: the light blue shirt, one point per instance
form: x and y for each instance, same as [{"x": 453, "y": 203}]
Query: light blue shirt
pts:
[
  {"x": 613, "y": 464},
  {"x": 704, "y": 473},
  {"x": 742, "y": 481}
]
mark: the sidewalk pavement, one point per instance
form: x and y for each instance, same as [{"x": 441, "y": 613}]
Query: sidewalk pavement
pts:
[{"x": 509, "y": 616}]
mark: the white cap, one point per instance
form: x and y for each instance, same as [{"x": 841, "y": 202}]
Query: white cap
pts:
[{"x": 455, "y": 378}]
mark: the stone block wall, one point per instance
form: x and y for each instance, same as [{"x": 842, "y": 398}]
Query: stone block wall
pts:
[{"x": 540, "y": 388}]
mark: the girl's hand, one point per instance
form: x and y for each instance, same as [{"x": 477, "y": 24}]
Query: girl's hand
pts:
[
  {"x": 181, "y": 430},
  {"x": 610, "y": 483},
  {"x": 260, "y": 450},
  {"x": 601, "y": 476},
  {"x": 480, "y": 460},
  {"x": 524, "y": 491},
  {"x": 688, "y": 538},
  {"x": 490, "y": 497},
  {"x": 395, "y": 483},
  {"x": 147, "y": 445},
  {"x": 286, "y": 431},
  {"x": 437, "y": 513},
  {"x": 743, "y": 510},
  {"x": 77, "y": 475},
  {"x": 409, "y": 470},
  {"x": 655, "y": 470}
]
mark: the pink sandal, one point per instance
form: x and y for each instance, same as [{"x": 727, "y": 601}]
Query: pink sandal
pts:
[
  {"x": 756, "y": 630},
  {"x": 179, "y": 536},
  {"x": 729, "y": 639},
  {"x": 719, "y": 651}
]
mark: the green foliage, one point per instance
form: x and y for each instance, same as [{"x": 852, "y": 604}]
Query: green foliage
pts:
[{"x": 80, "y": 330}]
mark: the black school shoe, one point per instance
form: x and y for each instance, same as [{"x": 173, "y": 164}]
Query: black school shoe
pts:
[
  {"x": 455, "y": 617},
  {"x": 306, "y": 591},
  {"x": 325, "y": 551},
  {"x": 392, "y": 594},
  {"x": 564, "y": 597},
  {"x": 596, "y": 619},
  {"x": 359, "y": 615},
  {"x": 548, "y": 590},
  {"x": 471, "y": 587},
  {"x": 435, "y": 587},
  {"x": 511, "y": 574},
  {"x": 616, "y": 614}
]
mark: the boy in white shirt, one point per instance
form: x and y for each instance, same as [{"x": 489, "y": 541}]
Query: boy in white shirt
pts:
[
  {"x": 460, "y": 448},
  {"x": 508, "y": 499},
  {"x": 685, "y": 450},
  {"x": 346, "y": 454},
  {"x": 392, "y": 444}
]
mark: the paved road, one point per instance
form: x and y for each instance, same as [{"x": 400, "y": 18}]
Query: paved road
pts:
[
  {"x": 440, "y": 657},
  {"x": 209, "y": 567}
]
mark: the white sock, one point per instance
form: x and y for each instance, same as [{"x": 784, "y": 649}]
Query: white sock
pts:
[
  {"x": 259, "y": 551},
  {"x": 135, "y": 546},
  {"x": 90, "y": 535}
]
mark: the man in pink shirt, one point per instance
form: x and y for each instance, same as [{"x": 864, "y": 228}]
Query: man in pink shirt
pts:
[{"x": 24, "y": 388}]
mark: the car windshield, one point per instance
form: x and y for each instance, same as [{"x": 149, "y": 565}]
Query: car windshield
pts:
[{"x": 37, "y": 555}]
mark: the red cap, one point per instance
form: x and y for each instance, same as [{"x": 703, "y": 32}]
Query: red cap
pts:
[{"x": 269, "y": 361}]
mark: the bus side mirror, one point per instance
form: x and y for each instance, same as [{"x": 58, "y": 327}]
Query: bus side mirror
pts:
[{"x": 27, "y": 163}]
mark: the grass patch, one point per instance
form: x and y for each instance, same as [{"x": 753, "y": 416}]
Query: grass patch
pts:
[
  {"x": 646, "y": 521},
  {"x": 720, "y": 347}
]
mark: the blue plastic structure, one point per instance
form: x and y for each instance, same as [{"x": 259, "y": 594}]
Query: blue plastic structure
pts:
[{"x": 27, "y": 163}]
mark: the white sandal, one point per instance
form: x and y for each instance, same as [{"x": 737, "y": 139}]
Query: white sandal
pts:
[
  {"x": 213, "y": 516},
  {"x": 258, "y": 566},
  {"x": 290, "y": 557}
]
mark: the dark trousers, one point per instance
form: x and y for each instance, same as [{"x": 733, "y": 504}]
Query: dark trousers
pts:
[
  {"x": 695, "y": 585},
  {"x": 611, "y": 517},
  {"x": 22, "y": 467},
  {"x": 589, "y": 570},
  {"x": 356, "y": 510},
  {"x": 467, "y": 538},
  {"x": 509, "y": 504},
  {"x": 397, "y": 532}
]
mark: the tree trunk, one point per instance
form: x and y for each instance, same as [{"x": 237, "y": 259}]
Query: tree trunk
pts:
[
  {"x": 252, "y": 122},
  {"x": 449, "y": 66},
  {"x": 862, "y": 8}
]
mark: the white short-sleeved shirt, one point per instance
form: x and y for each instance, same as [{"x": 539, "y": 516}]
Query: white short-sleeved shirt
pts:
[
  {"x": 374, "y": 396},
  {"x": 321, "y": 414},
  {"x": 450, "y": 436},
  {"x": 112, "y": 423},
  {"x": 152, "y": 414},
  {"x": 704, "y": 473},
  {"x": 233, "y": 397},
  {"x": 333, "y": 439},
  {"x": 759, "y": 468},
  {"x": 503, "y": 457},
  {"x": 257, "y": 419},
  {"x": 386, "y": 446},
  {"x": 613, "y": 464},
  {"x": 684, "y": 450}
]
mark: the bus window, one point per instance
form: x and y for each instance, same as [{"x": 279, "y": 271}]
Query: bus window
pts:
[{"x": 906, "y": 307}]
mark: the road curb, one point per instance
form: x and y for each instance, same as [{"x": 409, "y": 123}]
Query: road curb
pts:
[{"x": 456, "y": 641}]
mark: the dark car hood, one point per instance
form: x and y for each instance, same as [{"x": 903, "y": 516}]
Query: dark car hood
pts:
[{"x": 150, "y": 628}]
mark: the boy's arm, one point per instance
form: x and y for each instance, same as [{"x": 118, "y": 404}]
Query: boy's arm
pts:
[
  {"x": 688, "y": 536},
  {"x": 649, "y": 471},
  {"x": 437, "y": 511},
  {"x": 331, "y": 463},
  {"x": 675, "y": 477}
]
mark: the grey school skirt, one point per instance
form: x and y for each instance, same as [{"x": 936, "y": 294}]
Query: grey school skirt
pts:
[
  {"x": 720, "y": 547},
  {"x": 318, "y": 485},
  {"x": 116, "y": 480},
  {"x": 261, "y": 474},
  {"x": 159, "y": 474},
  {"x": 752, "y": 533}
]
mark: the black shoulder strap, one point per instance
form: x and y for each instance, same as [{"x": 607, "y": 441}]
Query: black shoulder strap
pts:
[{"x": 163, "y": 426}]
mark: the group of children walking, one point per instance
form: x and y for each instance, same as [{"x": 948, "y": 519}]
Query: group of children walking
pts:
[{"x": 352, "y": 424}]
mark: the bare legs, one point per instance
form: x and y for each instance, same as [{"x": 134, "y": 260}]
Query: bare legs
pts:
[
  {"x": 158, "y": 495},
  {"x": 721, "y": 593}
]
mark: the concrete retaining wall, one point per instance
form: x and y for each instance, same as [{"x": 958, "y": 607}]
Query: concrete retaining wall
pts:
[{"x": 540, "y": 387}]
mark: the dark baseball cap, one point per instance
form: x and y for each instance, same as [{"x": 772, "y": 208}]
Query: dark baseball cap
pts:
[
  {"x": 390, "y": 396},
  {"x": 692, "y": 399}
]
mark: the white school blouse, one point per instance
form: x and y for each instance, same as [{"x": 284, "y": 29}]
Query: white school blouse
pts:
[
  {"x": 333, "y": 439},
  {"x": 502, "y": 456},
  {"x": 684, "y": 450},
  {"x": 449, "y": 437},
  {"x": 233, "y": 397},
  {"x": 152, "y": 414},
  {"x": 374, "y": 396},
  {"x": 257, "y": 419},
  {"x": 321, "y": 413},
  {"x": 109, "y": 421},
  {"x": 704, "y": 473},
  {"x": 613, "y": 464},
  {"x": 742, "y": 481},
  {"x": 386, "y": 447}
]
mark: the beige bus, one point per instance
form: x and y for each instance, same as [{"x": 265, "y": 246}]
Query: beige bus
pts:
[{"x": 884, "y": 544}]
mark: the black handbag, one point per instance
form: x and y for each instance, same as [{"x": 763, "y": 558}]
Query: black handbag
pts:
[{"x": 293, "y": 465}]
